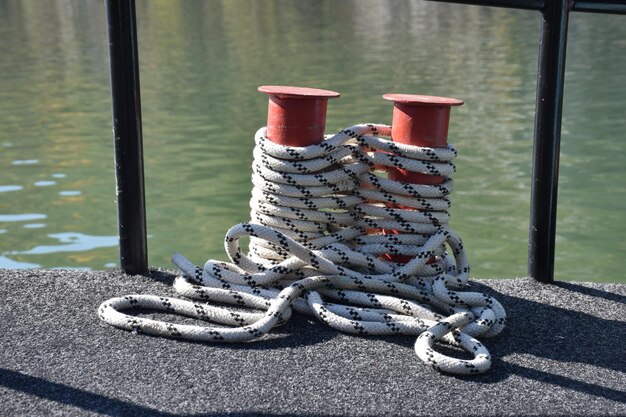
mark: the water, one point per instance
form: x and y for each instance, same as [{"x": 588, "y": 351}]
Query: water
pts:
[{"x": 200, "y": 65}]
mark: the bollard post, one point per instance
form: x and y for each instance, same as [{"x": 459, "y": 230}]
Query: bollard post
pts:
[
  {"x": 296, "y": 116},
  {"x": 419, "y": 121}
]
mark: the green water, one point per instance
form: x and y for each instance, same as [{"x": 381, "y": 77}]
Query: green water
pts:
[{"x": 200, "y": 65}]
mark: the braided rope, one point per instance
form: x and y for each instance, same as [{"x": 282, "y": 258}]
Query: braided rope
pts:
[{"x": 319, "y": 234}]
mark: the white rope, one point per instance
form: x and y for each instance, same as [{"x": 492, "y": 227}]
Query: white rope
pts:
[{"x": 320, "y": 230}]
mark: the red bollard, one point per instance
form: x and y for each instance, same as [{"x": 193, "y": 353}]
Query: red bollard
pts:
[
  {"x": 419, "y": 121},
  {"x": 296, "y": 116}
]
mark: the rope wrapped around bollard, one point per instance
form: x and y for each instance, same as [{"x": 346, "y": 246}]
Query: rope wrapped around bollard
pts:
[{"x": 317, "y": 240}]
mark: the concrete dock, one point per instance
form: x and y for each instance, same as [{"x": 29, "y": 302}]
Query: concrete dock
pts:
[{"x": 563, "y": 354}]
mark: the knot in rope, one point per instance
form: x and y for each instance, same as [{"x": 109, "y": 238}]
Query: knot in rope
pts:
[{"x": 326, "y": 232}]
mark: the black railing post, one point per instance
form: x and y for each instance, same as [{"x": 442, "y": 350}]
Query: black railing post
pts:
[
  {"x": 545, "y": 172},
  {"x": 127, "y": 135}
]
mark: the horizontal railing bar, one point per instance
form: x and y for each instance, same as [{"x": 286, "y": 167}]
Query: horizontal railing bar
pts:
[
  {"x": 514, "y": 4},
  {"x": 600, "y": 6},
  {"x": 591, "y": 6}
]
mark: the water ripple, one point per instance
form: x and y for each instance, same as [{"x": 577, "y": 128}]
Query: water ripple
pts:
[
  {"x": 7, "y": 188},
  {"x": 44, "y": 183},
  {"x": 21, "y": 217},
  {"x": 8, "y": 263},
  {"x": 71, "y": 242},
  {"x": 25, "y": 162}
]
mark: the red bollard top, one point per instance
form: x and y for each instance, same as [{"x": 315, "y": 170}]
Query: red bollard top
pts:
[
  {"x": 296, "y": 116},
  {"x": 420, "y": 121}
]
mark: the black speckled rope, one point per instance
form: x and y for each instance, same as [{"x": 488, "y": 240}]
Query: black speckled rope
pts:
[{"x": 317, "y": 236}]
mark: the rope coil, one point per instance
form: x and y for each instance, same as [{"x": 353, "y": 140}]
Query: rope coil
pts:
[{"x": 320, "y": 229}]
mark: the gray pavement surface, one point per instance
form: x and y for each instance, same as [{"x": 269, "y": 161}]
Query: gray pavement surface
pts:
[{"x": 562, "y": 354}]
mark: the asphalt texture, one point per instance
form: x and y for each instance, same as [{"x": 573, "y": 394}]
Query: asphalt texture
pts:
[{"x": 563, "y": 353}]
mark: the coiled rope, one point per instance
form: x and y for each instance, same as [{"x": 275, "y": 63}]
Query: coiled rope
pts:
[{"x": 320, "y": 230}]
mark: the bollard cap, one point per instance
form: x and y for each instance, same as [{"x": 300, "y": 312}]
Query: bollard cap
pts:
[
  {"x": 417, "y": 100},
  {"x": 297, "y": 92},
  {"x": 296, "y": 116}
]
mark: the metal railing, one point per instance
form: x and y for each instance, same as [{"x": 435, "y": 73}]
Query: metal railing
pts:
[{"x": 549, "y": 109}]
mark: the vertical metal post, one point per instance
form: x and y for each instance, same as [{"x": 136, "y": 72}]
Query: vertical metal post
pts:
[
  {"x": 544, "y": 186},
  {"x": 127, "y": 135}
]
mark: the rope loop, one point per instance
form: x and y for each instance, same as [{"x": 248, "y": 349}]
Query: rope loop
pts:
[
  {"x": 330, "y": 236},
  {"x": 447, "y": 330}
]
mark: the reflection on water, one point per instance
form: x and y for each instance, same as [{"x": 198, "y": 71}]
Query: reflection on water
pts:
[
  {"x": 21, "y": 217},
  {"x": 8, "y": 263},
  {"x": 34, "y": 226},
  {"x": 72, "y": 242},
  {"x": 25, "y": 162},
  {"x": 7, "y": 188},
  {"x": 44, "y": 183},
  {"x": 201, "y": 63},
  {"x": 69, "y": 193}
]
